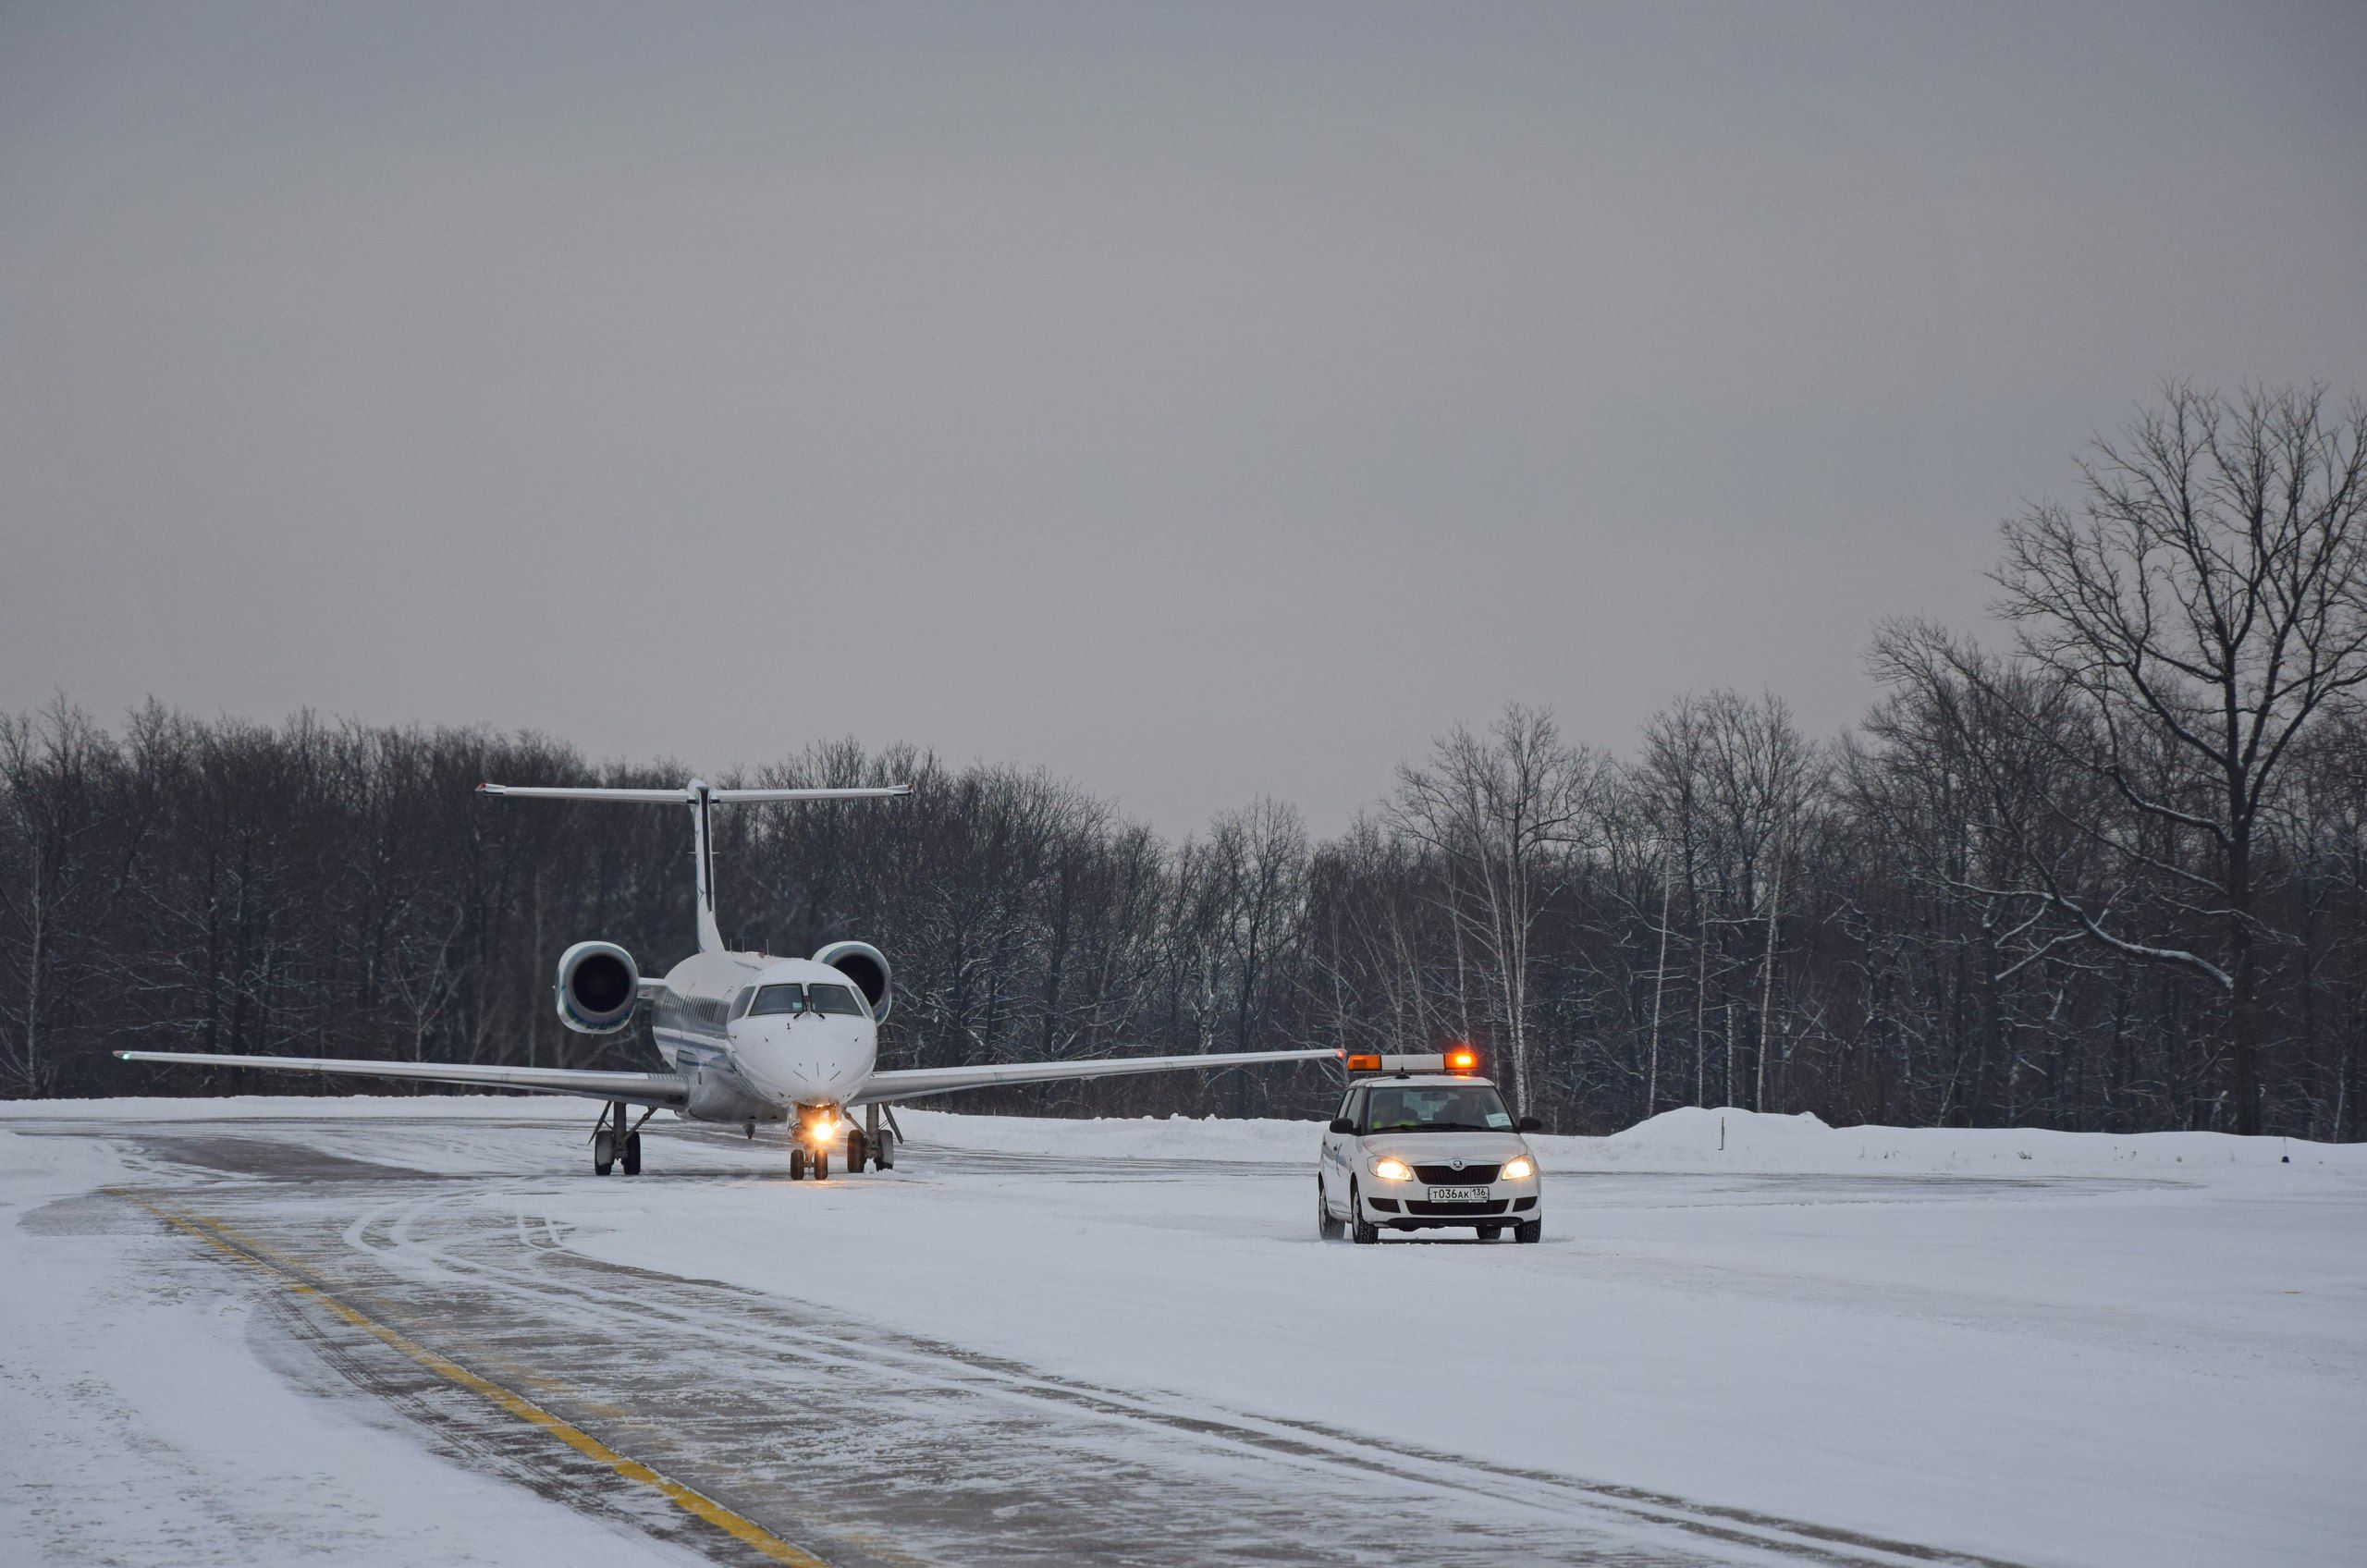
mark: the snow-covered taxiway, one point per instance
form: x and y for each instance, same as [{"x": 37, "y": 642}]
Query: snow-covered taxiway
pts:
[{"x": 283, "y": 1331}]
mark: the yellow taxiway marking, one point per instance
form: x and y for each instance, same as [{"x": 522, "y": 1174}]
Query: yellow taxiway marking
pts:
[{"x": 697, "y": 1504}]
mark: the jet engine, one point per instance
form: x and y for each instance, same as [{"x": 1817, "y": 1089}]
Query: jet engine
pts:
[
  {"x": 598, "y": 984},
  {"x": 867, "y": 967}
]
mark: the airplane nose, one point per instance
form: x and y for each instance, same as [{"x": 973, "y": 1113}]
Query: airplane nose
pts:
[{"x": 800, "y": 1061}]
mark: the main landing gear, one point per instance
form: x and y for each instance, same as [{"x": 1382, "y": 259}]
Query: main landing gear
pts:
[
  {"x": 612, "y": 1140},
  {"x": 870, "y": 1143}
]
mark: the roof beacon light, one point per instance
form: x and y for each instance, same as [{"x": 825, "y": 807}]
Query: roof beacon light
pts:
[{"x": 1461, "y": 1060}]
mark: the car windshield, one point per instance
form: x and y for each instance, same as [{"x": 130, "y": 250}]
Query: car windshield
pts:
[
  {"x": 778, "y": 999},
  {"x": 1442, "y": 1108},
  {"x": 832, "y": 999}
]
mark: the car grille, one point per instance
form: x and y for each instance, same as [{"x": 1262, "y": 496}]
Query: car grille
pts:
[
  {"x": 1447, "y": 1176},
  {"x": 1442, "y": 1210}
]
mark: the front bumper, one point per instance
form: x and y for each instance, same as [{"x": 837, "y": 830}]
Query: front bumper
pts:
[{"x": 1405, "y": 1206}]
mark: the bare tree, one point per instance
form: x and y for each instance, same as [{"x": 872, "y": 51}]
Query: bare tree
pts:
[
  {"x": 1505, "y": 812},
  {"x": 1257, "y": 858},
  {"x": 2206, "y": 601},
  {"x": 63, "y": 845}
]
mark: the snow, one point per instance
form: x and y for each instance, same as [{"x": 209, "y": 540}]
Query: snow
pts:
[
  {"x": 2048, "y": 1347},
  {"x": 154, "y": 1415}
]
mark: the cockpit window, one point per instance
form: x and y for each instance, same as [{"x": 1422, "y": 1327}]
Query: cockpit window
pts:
[
  {"x": 777, "y": 999},
  {"x": 739, "y": 1003},
  {"x": 832, "y": 999}
]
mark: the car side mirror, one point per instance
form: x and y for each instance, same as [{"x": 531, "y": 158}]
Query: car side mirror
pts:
[
  {"x": 1528, "y": 1125},
  {"x": 1341, "y": 1124}
]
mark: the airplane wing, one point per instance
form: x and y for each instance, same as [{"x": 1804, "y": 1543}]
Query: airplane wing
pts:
[
  {"x": 633, "y": 1088},
  {"x": 917, "y": 1082}
]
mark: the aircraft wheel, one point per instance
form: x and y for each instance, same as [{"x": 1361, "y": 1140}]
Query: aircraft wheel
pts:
[
  {"x": 632, "y": 1154},
  {"x": 604, "y": 1152},
  {"x": 1362, "y": 1231},
  {"x": 884, "y": 1157},
  {"x": 1533, "y": 1231},
  {"x": 821, "y": 1166},
  {"x": 856, "y": 1151},
  {"x": 796, "y": 1163}
]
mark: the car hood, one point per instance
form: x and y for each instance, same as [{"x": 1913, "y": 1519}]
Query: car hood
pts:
[{"x": 1437, "y": 1149}]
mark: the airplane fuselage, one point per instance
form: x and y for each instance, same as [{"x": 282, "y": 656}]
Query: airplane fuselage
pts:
[{"x": 744, "y": 1065}]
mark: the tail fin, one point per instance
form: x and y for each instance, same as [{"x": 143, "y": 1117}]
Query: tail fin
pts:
[{"x": 699, "y": 796}]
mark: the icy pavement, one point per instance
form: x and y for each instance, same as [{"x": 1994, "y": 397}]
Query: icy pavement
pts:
[{"x": 1060, "y": 1343}]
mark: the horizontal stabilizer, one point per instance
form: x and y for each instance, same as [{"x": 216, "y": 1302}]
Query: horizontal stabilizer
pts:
[
  {"x": 701, "y": 797},
  {"x": 689, "y": 796}
]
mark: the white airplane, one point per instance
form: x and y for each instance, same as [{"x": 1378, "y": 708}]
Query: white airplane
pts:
[{"x": 747, "y": 1038}]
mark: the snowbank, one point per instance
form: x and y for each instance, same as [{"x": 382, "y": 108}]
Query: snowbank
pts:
[{"x": 1691, "y": 1139}]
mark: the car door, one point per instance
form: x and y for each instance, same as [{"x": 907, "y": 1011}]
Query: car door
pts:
[{"x": 1340, "y": 1148}]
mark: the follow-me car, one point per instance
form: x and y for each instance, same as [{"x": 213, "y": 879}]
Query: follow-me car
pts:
[{"x": 1422, "y": 1143}]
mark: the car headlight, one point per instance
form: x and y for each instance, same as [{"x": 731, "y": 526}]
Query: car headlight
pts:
[
  {"x": 1389, "y": 1167},
  {"x": 1520, "y": 1168}
]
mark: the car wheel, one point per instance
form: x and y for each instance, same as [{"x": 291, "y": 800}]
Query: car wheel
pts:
[
  {"x": 1326, "y": 1228},
  {"x": 1488, "y": 1232},
  {"x": 1530, "y": 1230},
  {"x": 1362, "y": 1231}
]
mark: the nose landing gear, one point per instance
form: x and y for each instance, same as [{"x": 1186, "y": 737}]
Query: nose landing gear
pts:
[{"x": 868, "y": 1144}]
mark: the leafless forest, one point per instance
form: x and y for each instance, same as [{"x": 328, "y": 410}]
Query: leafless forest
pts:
[{"x": 2101, "y": 866}]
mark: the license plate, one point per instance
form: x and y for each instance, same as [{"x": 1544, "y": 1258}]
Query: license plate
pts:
[{"x": 1458, "y": 1195}]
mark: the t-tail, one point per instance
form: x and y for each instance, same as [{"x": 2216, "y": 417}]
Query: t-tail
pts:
[{"x": 701, "y": 797}]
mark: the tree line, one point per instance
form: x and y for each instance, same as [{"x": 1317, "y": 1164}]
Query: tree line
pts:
[{"x": 2103, "y": 866}]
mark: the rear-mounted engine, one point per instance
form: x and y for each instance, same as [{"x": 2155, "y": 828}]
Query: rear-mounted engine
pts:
[
  {"x": 867, "y": 967},
  {"x": 598, "y": 984}
]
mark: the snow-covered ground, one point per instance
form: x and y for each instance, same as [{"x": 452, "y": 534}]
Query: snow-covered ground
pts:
[{"x": 2018, "y": 1346}]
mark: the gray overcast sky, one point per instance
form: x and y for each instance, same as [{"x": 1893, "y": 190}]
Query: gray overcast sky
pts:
[{"x": 1199, "y": 401}]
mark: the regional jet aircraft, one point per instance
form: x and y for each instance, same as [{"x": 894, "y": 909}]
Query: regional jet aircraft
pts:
[{"x": 747, "y": 1038}]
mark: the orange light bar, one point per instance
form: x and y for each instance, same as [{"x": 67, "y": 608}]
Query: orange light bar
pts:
[
  {"x": 1364, "y": 1064},
  {"x": 1463, "y": 1058}
]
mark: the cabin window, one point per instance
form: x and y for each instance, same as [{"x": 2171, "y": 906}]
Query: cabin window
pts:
[
  {"x": 777, "y": 999},
  {"x": 832, "y": 999}
]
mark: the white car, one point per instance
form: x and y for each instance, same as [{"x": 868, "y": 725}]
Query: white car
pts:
[{"x": 1416, "y": 1150}]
